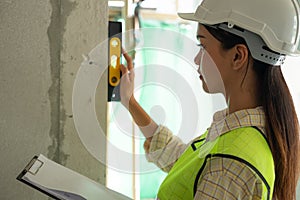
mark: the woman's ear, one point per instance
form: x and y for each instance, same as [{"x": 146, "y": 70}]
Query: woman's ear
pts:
[{"x": 240, "y": 56}]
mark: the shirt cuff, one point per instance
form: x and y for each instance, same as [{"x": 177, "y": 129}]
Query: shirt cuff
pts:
[
  {"x": 165, "y": 148},
  {"x": 160, "y": 138}
]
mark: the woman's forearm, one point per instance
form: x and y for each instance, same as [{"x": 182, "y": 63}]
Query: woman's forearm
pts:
[{"x": 142, "y": 119}]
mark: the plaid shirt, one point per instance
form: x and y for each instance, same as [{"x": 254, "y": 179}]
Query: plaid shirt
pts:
[{"x": 222, "y": 178}]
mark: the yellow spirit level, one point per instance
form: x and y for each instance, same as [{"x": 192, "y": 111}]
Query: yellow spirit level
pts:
[{"x": 114, "y": 60}]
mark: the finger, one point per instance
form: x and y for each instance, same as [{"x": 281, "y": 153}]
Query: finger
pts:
[
  {"x": 131, "y": 74},
  {"x": 123, "y": 50},
  {"x": 128, "y": 60},
  {"x": 124, "y": 69}
]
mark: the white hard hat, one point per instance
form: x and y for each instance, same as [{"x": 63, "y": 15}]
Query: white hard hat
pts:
[{"x": 275, "y": 24}]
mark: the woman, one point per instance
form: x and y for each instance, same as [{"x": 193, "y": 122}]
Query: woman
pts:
[{"x": 251, "y": 150}]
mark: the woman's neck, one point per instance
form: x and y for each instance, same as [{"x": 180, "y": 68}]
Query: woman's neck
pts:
[{"x": 243, "y": 98}]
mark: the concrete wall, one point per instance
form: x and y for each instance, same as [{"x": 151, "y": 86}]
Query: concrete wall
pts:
[{"x": 41, "y": 43}]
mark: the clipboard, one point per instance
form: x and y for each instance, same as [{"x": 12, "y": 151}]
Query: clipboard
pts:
[{"x": 61, "y": 183}]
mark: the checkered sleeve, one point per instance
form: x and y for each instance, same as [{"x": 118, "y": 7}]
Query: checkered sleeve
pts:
[
  {"x": 226, "y": 179},
  {"x": 165, "y": 148}
]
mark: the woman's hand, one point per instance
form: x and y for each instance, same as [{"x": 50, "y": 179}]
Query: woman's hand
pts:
[{"x": 127, "y": 81}]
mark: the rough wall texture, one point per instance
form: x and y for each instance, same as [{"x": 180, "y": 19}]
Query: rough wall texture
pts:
[
  {"x": 41, "y": 43},
  {"x": 84, "y": 28}
]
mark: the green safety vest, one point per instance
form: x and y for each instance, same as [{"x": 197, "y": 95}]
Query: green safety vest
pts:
[{"x": 247, "y": 145}]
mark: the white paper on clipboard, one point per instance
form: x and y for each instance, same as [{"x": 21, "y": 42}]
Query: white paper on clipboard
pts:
[{"x": 62, "y": 183}]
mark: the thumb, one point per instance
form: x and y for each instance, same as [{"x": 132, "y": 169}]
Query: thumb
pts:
[{"x": 123, "y": 69}]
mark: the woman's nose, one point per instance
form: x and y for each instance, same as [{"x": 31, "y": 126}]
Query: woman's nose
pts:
[{"x": 197, "y": 58}]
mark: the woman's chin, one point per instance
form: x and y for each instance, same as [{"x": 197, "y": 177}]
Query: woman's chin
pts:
[
  {"x": 210, "y": 90},
  {"x": 205, "y": 88}
]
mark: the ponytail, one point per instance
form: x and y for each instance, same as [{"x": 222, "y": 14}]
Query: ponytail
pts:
[{"x": 282, "y": 129}]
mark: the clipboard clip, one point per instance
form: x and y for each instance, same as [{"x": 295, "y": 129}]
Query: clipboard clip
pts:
[{"x": 34, "y": 165}]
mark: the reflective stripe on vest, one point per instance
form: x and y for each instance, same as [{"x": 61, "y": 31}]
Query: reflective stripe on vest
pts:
[{"x": 247, "y": 145}]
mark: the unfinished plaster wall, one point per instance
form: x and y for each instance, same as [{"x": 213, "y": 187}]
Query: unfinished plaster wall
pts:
[
  {"x": 85, "y": 27},
  {"x": 41, "y": 43}
]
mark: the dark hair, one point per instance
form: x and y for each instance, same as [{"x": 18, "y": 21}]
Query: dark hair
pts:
[{"x": 282, "y": 126}]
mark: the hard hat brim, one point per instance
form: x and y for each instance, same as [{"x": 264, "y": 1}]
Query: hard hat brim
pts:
[{"x": 188, "y": 16}]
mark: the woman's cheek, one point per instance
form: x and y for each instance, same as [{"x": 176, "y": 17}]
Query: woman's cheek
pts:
[{"x": 211, "y": 75}]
